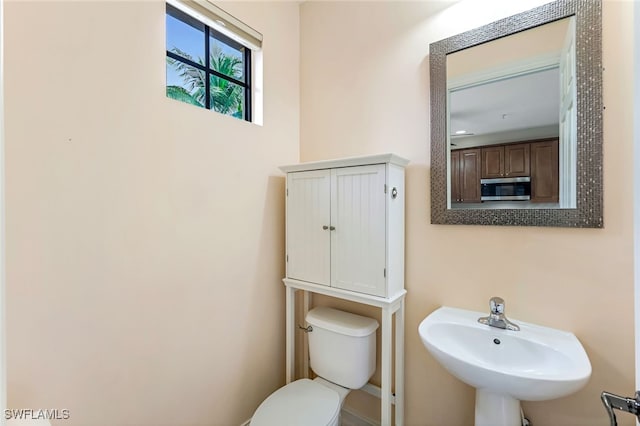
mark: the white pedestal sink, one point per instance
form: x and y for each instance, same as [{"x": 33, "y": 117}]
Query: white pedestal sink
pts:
[{"x": 533, "y": 364}]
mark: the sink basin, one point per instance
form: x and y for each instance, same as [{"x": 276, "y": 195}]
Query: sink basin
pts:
[{"x": 534, "y": 364}]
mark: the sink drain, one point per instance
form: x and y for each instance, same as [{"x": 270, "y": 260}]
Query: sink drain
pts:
[{"x": 496, "y": 341}]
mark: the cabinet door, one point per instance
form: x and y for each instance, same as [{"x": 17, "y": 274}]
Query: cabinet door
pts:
[
  {"x": 455, "y": 176},
  {"x": 492, "y": 162},
  {"x": 470, "y": 175},
  {"x": 544, "y": 172},
  {"x": 308, "y": 220},
  {"x": 358, "y": 244},
  {"x": 516, "y": 160}
]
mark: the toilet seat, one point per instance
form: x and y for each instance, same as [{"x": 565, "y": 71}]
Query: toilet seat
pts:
[{"x": 303, "y": 402}]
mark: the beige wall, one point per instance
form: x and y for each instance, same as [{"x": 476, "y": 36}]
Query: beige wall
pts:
[
  {"x": 145, "y": 237},
  {"x": 365, "y": 89}
]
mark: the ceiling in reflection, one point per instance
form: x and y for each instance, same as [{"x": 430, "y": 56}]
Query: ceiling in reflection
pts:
[{"x": 517, "y": 108}]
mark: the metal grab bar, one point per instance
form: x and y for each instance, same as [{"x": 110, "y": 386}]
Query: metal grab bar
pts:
[{"x": 629, "y": 405}]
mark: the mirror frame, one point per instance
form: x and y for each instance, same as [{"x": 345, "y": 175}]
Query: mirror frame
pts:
[{"x": 589, "y": 200}]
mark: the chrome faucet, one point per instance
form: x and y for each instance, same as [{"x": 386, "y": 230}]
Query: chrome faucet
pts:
[{"x": 496, "y": 318}]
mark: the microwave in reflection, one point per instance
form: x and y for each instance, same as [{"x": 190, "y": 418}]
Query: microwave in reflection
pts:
[{"x": 505, "y": 189}]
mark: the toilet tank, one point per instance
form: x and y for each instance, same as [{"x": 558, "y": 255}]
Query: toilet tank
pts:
[{"x": 342, "y": 346}]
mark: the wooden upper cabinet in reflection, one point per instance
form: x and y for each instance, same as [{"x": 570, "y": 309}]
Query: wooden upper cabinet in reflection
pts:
[
  {"x": 506, "y": 161},
  {"x": 465, "y": 175},
  {"x": 544, "y": 171},
  {"x": 516, "y": 160}
]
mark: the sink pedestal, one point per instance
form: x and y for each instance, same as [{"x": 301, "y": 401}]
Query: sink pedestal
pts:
[{"x": 494, "y": 409}]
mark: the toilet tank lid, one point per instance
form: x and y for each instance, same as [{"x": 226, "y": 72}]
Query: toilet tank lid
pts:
[{"x": 341, "y": 322}]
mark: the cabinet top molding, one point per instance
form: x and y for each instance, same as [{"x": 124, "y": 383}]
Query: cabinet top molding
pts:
[{"x": 347, "y": 162}]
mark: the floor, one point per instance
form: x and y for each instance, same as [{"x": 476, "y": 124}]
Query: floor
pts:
[{"x": 349, "y": 419}]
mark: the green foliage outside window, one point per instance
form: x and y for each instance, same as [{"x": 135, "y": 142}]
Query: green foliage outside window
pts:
[{"x": 225, "y": 97}]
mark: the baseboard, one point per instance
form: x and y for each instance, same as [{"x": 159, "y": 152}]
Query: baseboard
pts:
[{"x": 374, "y": 390}]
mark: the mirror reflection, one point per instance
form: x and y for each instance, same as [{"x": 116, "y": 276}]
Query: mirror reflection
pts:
[{"x": 511, "y": 121}]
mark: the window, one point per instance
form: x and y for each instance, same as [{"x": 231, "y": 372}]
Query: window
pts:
[{"x": 205, "y": 67}]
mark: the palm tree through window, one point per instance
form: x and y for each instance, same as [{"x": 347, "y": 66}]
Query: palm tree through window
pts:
[{"x": 206, "y": 68}]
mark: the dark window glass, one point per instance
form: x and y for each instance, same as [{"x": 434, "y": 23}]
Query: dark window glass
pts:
[
  {"x": 226, "y": 97},
  {"x": 226, "y": 59},
  {"x": 184, "y": 83},
  {"x": 185, "y": 36}
]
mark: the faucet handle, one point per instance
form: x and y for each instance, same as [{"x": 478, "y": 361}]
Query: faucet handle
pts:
[{"x": 496, "y": 305}]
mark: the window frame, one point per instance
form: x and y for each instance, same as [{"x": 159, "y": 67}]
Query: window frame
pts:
[{"x": 209, "y": 33}]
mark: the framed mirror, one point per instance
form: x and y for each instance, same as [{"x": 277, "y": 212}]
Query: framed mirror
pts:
[{"x": 516, "y": 120}]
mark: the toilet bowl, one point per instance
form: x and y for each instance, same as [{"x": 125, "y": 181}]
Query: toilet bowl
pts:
[
  {"x": 303, "y": 402},
  {"x": 342, "y": 352}
]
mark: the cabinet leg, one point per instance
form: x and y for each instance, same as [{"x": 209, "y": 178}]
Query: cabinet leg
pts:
[
  {"x": 385, "y": 418},
  {"x": 290, "y": 336},
  {"x": 306, "y": 303},
  {"x": 399, "y": 364}
]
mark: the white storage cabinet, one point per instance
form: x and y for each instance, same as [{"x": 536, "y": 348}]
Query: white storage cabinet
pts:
[{"x": 345, "y": 224}]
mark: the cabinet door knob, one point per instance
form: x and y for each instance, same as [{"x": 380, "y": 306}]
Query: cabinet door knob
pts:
[
  {"x": 325, "y": 227},
  {"x": 332, "y": 228}
]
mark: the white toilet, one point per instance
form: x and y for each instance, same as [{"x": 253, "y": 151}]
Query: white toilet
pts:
[{"x": 342, "y": 351}]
